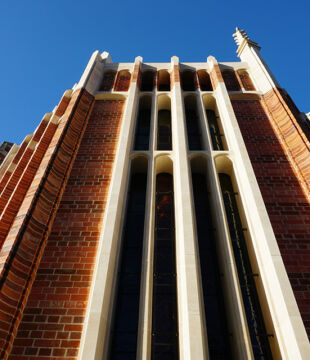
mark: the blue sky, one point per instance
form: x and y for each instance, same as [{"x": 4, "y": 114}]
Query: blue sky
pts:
[{"x": 45, "y": 45}]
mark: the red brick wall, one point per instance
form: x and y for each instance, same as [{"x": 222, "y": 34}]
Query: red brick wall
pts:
[
  {"x": 245, "y": 80},
  {"x": 122, "y": 81},
  {"x": 25, "y": 242},
  {"x": 53, "y": 318},
  {"x": 286, "y": 203},
  {"x": 175, "y": 75},
  {"x": 292, "y": 138},
  {"x": 216, "y": 76}
]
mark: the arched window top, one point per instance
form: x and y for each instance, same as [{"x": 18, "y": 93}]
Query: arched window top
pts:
[
  {"x": 209, "y": 103},
  {"x": 231, "y": 81},
  {"x": 204, "y": 80},
  {"x": 163, "y": 164},
  {"x": 108, "y": 80},
  {"x": 246, "y": 81},
  {"x": 123, "y": 81},
  {"x": 164, "y": 102},
  {"x": 147, "y": 80},
  {"x": 188, "y": 80},
  {"x": 139, "y": 164},
  {"x": 163, "y": 83}
]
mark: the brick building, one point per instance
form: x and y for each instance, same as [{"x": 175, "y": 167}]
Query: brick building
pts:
[{"x": 160, "y": 211}]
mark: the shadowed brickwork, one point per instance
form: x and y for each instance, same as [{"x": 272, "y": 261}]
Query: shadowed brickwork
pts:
[{"x": 54, "y": 315}]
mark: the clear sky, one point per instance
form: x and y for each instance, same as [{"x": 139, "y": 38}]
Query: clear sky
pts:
[{"x": 46, "y": 44}]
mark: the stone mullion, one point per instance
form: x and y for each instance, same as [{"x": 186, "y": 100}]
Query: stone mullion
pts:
[
  {"x": 192, "y": 343},
  {"x": 96, "y": 332}
]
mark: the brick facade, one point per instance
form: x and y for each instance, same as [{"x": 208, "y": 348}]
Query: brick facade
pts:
[
  {"x": 25, "y": 242},
  {"x": 54, "y": 314},
  {"x": 122, "y": 81},
  {"x": 286, "y": 203}
]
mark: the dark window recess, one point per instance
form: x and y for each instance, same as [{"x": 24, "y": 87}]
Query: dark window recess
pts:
[
  {"x": 188, "y": 80},
  {"x": 164, "y": 137},
  {"x": 126, "y": 316},
  {"x": 107, "y": 81},
  {"x": 165, "y": 315},
  {"x": 204, "y": 81},
  {"x": 143, "y": 129},
  {"x": 255, "y": 320},
  {"x": 193, "y": 131},
  {"x": 163, "y": 80},
  {"x": 218, "y": 337},
  {"x": 147, "y": 81},
  {"x": 216, "y": 138},
  {"x": 231, "y": 81}
]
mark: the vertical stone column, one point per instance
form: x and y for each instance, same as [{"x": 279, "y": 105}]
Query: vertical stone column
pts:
[
  {"x": 192, "y": 335},
  {"x": 281, "y": 303},
  {"x": 95, "y": 337}
]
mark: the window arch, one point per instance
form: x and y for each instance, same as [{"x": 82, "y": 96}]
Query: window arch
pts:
[
  {"x": 143, "y": 123},
  {"x": 192, "y": 123},
  {"x": 204, "y": 80},
  {"x": 123, "y": 81},
  {"x": 164, "y": 133},
  {"x": 246, "y": 81},
  {"x": 108, "y": 81},
  {"x": 163, "y": 82},
  {"x": 147, "y": 80},
  {"x": 188, "y": 80},
  {"x": 231, "y": 81}
]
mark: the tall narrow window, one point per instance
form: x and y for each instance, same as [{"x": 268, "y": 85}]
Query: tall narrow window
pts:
[
  {"x": 107, "y": 81},
  {"x": 204, "y": 80},
  {"x": 165, "y": 316},
  {"x": 231, "y": 81},
  {"x": 122, "y": 81},
  {"x": 215, "y": 133},
  {"x": 126, "y": 317},
  {"x": 218, "y": 337},
  {"x": 192, "y": 123},
  {"x": 163, "y": 80},
  {"x": 254, "y": 316},
  {"x": 147, "y": 81},
  {"x": 143, "y": 124},
  {"x": 188, "y": 80},
  {"x": 164, "y": 135}
]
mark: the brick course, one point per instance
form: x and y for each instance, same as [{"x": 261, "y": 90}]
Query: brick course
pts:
[
  {"x": 291, "y": 136},
  {"x": 53, "y": 318}
]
